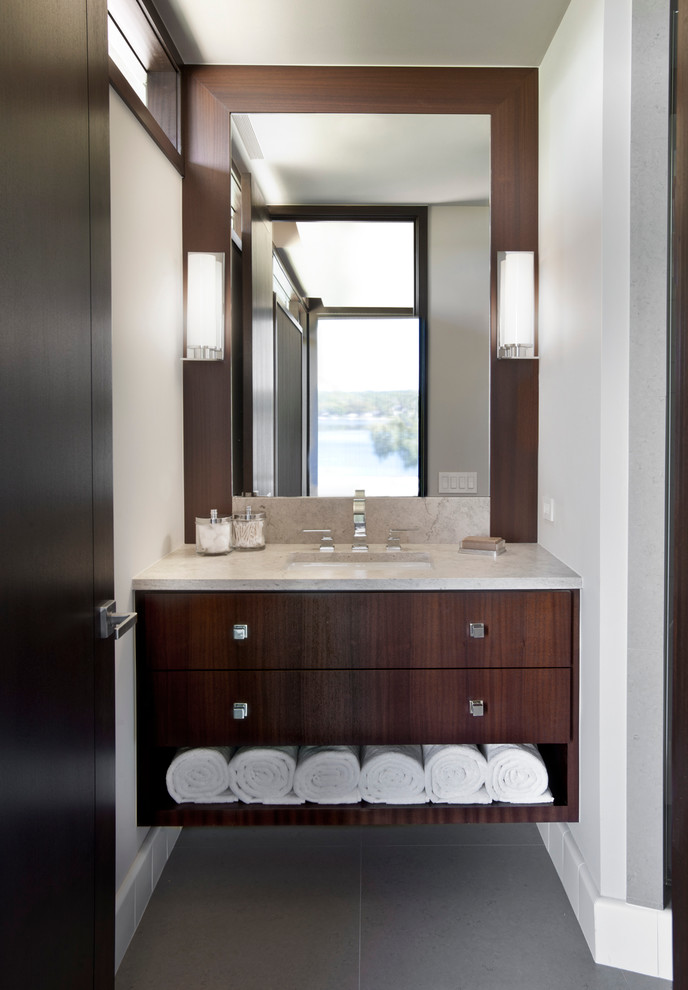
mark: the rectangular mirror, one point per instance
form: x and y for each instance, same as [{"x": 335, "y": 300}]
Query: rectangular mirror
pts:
[{"x": 283, "y": 162}]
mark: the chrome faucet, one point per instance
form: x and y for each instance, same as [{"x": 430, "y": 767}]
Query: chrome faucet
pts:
[{"x": 360, "y": 535}]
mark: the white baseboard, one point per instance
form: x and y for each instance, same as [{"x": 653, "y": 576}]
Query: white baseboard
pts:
[
  {"x": 138, "y": 885},
  {"x": 619, "y": 934}
]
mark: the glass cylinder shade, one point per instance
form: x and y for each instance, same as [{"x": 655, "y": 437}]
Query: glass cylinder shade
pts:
[
  {"x": 516, "y": 304},
  {"x": 205, "y": 305}
]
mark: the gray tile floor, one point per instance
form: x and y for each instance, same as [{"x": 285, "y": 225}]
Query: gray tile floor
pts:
[{"x": 459, "y": 907}]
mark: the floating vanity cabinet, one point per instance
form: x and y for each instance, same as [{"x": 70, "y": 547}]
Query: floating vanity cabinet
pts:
[{"x": 375, "y": 666}]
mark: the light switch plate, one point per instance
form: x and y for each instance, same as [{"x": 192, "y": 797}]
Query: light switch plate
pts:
[
  {"x": 458, "y": 483},
  {"x": 548, "y": 508}
]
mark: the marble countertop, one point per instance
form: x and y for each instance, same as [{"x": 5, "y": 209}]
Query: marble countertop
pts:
[{"x": 291, "y": 567}]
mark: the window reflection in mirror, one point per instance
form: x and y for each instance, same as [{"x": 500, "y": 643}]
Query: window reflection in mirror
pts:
[{"x": 367, "y": 402}]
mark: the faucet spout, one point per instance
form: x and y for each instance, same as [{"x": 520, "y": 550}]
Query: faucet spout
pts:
[{"x": 360, "y": 535}]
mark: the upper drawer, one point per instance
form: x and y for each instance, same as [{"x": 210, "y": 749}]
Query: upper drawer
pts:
[{"x": 195, "y": 630}]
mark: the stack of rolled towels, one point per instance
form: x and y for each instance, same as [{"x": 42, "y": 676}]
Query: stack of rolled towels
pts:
[{"x": 405, "y": 774}]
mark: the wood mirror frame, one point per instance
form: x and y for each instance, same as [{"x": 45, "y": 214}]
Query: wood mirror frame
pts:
[{"x": 510, "y": 96}]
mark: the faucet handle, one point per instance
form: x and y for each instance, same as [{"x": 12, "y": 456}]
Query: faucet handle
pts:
[
  {"x": 360, "y": 535},
  {"x": 394, "y": 539},
  {"x": 359, "y": 508},
  {"x": 326, "y": 542}
]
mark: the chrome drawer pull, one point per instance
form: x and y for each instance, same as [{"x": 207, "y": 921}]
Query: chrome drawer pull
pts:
[
  {"x": 476, "y": 630},
  {"x": 240, "y": 709},
  {"x": 240, "y": 632},
  {"x": 476, "y": 707}
]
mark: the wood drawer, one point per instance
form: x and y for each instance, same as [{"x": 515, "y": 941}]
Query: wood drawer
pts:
[
  {"x": 354, "y": 706},
  {"x": 328, "y": 630}
]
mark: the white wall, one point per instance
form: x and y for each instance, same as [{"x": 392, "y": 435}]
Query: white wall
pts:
[
  {"x": 147, "y": 328},
  {"x": 459, "y": 343},
  {"x": 584, "y": 393},
  {"x": 585, "y": 274}
]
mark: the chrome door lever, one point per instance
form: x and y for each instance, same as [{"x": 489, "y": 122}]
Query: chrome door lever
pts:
[{"x": 109, "y": 622}]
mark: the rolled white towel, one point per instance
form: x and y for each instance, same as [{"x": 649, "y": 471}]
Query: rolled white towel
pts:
[
  {"x": 264, "y": 774},
  {"x": 200, "y": 776},
  {"x": 328, "y": 774},
  {"x": 455, "y": 774},
  {"x": 516, "y": 773},
  {"x": 393, "y": 775}
]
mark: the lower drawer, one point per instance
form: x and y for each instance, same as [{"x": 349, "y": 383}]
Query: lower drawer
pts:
[{"x": 353, "y": 706}]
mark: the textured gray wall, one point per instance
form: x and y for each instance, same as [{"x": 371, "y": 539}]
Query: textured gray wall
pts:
[{"x": 647, "y": 428}]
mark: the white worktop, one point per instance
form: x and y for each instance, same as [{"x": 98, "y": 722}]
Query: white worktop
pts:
[{"x": 522, "y": 566}]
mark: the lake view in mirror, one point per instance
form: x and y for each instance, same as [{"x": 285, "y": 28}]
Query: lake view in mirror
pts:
[
  {"x": 367, "y": 400},
  {"x": 436, "y": 169}
]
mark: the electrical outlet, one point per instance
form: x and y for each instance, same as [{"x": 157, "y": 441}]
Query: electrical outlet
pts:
[{"x": 458, "y": 483}]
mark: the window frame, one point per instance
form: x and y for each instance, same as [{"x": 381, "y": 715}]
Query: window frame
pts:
[
  {"x": 418, "y": 215},
  {"x": 342, "y": 313},
  {"x": 141, "y": 26}
]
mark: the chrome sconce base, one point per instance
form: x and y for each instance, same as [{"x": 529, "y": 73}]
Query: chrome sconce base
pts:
[{"x": 516, "y": 351}]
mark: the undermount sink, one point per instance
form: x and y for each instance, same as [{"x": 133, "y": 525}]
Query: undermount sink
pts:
[{"x": 394, "y": 560}]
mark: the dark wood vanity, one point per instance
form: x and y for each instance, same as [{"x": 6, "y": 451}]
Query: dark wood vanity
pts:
[{"x": 361, "y": 667}]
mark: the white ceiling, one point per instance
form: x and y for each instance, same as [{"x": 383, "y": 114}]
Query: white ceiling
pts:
[{"x": 362, "y": 32}]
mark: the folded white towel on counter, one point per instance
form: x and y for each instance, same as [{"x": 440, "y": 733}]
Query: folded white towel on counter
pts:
[
  {"x": 516, "y": 773},
  {"x": 393, "y": 775},
  {"x": 328, "y": 774},
  {"x": 201, "y": 776},
  {"x": 455, "y": 774},
  {"x": 264, "y": 774}
]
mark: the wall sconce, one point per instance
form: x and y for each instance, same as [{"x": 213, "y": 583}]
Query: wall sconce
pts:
[
  {"x": 516, "y": 304},
  {"x": 205, "y": 305}
]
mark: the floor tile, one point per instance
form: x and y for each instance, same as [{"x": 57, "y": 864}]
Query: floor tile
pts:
[
  {"x": 227, "y": 915},
  {"x": 467, "y": 907},
  {"x": 460, "y": 835},
  {"x": 471, "y": 918},
  {"x": 636, "y": 981},
  {"x": 261, "y": 836}
]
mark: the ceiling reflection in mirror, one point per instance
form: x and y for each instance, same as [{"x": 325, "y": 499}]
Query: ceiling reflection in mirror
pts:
[{"x": 369, "y": 158}]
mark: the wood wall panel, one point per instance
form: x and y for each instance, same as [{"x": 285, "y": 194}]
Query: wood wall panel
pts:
[
  {"x": 514, "y": 449},
  {"x": 207, "y": 442},
  {"x": 362, "y": 89},
  {"x": 207, "y": 385},
  {"x": 510, "y": 96}
]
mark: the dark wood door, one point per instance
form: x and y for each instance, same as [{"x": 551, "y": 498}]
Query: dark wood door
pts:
[{"x": 56, "y": 712}]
